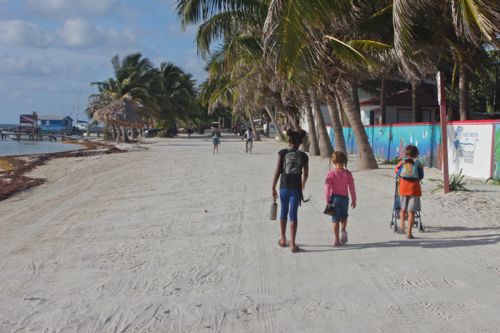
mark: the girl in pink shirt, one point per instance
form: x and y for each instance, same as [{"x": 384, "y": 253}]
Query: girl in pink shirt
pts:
[{"x": 338, "y": 184}]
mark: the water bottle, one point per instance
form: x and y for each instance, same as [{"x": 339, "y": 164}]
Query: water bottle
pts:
[{"x": 274, "y": 210}]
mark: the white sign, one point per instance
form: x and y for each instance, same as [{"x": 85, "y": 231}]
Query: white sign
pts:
[{"x": 469, "y": 149}]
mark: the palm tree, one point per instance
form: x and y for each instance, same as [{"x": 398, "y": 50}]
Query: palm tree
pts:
[
  {"x": 457, "y": 27},
  {"x": 291, "y": 36},
  {"x": 174, "y": 94},
  {"x": 132, "y": 76}
]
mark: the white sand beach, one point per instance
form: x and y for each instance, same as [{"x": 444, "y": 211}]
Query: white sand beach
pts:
[{"x": 176, "y": 239}]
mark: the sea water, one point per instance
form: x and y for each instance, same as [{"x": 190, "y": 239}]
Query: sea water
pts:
[{"x": 10, "y": 147}]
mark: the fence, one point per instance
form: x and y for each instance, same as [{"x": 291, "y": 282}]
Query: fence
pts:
[{"x": 473, "y": 146}]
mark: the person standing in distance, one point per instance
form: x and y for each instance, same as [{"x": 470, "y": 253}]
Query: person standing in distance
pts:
[{"x": 249, "y": 140}]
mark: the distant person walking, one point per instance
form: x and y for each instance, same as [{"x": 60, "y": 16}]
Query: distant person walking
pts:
[
  {"x": 292, "y": 168},
  {"x": 339, "y": 184},
  {"x": 248, "y": 140},
  {"x": 215, "y": 141},
  {"x": 3, "y": 135},
  {"x": 410, "y": 172}
]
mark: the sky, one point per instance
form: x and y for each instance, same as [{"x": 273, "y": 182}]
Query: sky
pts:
[{"x": 50, "y": 50}]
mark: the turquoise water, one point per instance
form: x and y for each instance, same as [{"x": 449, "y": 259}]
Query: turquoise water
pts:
[{"x": 10, "y": 147}]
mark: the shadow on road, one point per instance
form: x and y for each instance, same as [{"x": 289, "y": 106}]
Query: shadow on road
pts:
[{"x": 418, "y": 242}]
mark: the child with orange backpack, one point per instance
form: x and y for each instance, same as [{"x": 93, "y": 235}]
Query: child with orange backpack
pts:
[{"x": 410, "y": 172}]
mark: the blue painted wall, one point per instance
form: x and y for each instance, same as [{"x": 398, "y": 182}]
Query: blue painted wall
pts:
[{"x": 389, "y": 141}]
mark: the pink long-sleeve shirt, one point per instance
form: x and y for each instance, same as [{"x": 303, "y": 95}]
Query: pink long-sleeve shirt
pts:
[{"x": 339, "y": 182}]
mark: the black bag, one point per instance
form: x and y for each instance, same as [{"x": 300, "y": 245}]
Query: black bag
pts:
[
  {"x": 292, "y": 165},
  {"x": 330, "y": 209}
]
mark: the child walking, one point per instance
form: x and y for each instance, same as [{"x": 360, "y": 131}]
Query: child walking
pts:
[
  {"x": 338, "y": 184},
  {"x": 410, "y": 172},
  {"x": 292, "y": 169},
  {"x": 216, "y": 141}
]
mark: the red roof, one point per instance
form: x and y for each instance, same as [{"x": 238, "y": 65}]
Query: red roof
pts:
[{"x": 426, "y": 98}]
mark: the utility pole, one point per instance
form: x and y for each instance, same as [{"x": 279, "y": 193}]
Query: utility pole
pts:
[{"x": 444, "y": 130}]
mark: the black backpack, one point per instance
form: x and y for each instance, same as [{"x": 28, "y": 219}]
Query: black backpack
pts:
[{"x": 292, "y": 164}]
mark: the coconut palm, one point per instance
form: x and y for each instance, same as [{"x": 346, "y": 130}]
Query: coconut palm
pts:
[
  {"x": 174, "y": 94},
  {"x": 313, "y": 32},
  {"x": 132, "y": 78},
  {"x": 459, "y": 27}
]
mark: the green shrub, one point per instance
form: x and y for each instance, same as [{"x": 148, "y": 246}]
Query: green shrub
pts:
[
  {"x": 493, "y": 181},
  {"x": 457, "y": 183},
  {"x": 394, "y": 161}
]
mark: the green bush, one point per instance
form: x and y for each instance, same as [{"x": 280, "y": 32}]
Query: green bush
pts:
[
  {"x": 457, "y": 183},
  {"x": 394, "y": 161}
]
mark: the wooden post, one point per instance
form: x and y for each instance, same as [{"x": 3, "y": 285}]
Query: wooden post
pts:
[{"x": 444, "y": 130}]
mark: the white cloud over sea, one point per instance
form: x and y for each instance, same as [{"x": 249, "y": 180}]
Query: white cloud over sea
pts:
[{"x": 50, "y": 50}]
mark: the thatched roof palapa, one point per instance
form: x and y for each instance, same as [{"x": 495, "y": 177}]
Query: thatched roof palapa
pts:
[{"x": 121, "y": 112}]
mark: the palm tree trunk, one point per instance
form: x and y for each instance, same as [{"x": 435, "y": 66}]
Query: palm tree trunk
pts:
[
  {"x": 416, "y": 111},
  {"x": 125, "y": 135},
  {"x": 463, "y": 87},
  {"x": 367, "y": 159},
  {"x": 325, "y": 146},
  {"x": 256, "y": 135},
  {"x": 336, "y": 125},
  {"x": 343, "y": 117},
  {"x": 273, "y": 120},
  {"x": 291, "y": 120},
  {"x": 312, "y": 136},
  {"x": 383, "y": 114}
]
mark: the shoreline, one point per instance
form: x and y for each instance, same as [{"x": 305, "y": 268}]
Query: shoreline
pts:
[{"x": 13, "y": 169}]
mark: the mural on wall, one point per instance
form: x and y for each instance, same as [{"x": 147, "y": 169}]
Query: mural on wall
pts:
[
  {"x": 469, "y": 149},
  {"x": 469, "y": 145},
  {"x": 389, "y": 142},
  {"x": 496, "y": 153}
]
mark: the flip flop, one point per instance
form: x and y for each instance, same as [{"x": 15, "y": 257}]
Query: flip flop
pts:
[
  {"x": 281, "y": 245},
  {"x": 409, "y": 236},
  {"x": 295, "y": 249}
]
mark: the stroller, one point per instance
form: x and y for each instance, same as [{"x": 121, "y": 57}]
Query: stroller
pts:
[{"x": 396, "y": 208}]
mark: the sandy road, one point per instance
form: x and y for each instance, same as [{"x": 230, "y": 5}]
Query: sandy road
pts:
[{"x": 175, "y": 239}]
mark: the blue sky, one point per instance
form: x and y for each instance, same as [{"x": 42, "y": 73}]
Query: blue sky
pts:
[{"x": 50, "y": 50}]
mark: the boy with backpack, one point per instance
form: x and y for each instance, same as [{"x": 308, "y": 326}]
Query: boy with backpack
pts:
[
  {"x": 410, "y": 172},
  {"x": 291, "y": 162}
]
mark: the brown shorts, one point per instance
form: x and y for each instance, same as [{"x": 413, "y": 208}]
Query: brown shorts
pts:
[{"x": 410, "y": 203}]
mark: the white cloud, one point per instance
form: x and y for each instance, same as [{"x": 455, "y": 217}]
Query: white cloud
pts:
[
  {"x": 22, "y": 33},
  {"x": 23, "y": 66},
  {"x": 69, "y": 7},
  {"x": 80, "y": 33},
  {"x": 195, "y": 66}
]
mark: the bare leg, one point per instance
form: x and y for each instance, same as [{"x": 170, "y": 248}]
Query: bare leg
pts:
[
  {"x": 282, "y": 241},
  {"x": 411, "y": 220},
  {"x": 344, "y": 224},
  {"x": 336, "y": 228},
  {"x": 402, "y": 218},
  {"x": 293, "y": 232}
]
